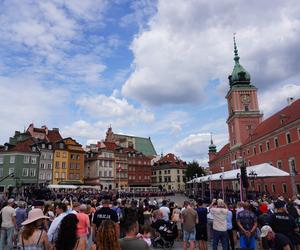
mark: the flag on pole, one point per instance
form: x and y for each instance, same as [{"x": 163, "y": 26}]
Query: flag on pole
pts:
[{"x": 119, "y": 168}]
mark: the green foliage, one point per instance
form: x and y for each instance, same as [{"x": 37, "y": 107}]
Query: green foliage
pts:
[{"x": 193, "y": 169}]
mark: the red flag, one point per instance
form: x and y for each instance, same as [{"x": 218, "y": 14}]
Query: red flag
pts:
[{"x": 119, "y": 168}]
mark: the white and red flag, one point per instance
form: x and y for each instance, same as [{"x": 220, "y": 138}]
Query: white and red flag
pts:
[{"x": 119, "y": 168}]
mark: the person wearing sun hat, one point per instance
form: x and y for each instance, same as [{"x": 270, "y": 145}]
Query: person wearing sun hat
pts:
[
  {"x": 32, "y": 237},
  {"x": 276, "y": 241}
]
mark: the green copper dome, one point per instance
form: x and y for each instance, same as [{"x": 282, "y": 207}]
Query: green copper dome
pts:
[
  {"x": 212, "y": 147},
  {"x": 239, "y": 75}
]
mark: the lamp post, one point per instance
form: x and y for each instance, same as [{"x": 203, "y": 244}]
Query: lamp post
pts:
[
  {"x": 253, "y": 176},
  {"x": 240, "y": 162},
  {"x": 210, "y": 188},
  {"x": 293, "y": 173},
  {"x": 222, "y": 179}
]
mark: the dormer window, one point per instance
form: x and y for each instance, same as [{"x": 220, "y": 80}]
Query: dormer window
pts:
[
  {"x": 50, "y": 147},
  {"x": 33, "y": 149},
  {"x": 61, "y": 145},
  {"x": 43, "y": 145}
]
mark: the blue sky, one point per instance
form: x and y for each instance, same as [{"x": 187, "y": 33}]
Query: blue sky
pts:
[{"x": 147, "y": 68}]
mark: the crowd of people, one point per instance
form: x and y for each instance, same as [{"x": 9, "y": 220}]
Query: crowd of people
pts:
[{"x": 112, "y": 222}]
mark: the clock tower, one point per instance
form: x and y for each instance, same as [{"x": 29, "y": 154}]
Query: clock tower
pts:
[{"x": 244, "y": 115}]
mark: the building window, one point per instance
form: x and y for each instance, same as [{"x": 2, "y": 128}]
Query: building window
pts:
[
  {"x": 61, "y": 145},
  {"x": 260, "y": 148},
  {"x": 26, "y": 158},
  {"x": 266, "y": 188},
  {"x": 11, "y": 170},
  {"x": 57, "y": 164},
  {"x": 292, "y": 165},
  {"x": 57, "y": 154},
  {"x": 32, "y": 172},
  {"x": 63, "y": 175},
  {"x": 33, "y": 149},
  {"x": 42, "y": 166},
  {"x": 100, "y": 173},
  {"x": 1, "y": 159},
  {"x": 12, "y": 159},
  {"x": 279, "y": 164},
  {"x": 288, "y": 138},
  {"x": 25, "y": 172},
  {"x": 284, "y": 188},
  {"x": 273, "y": 188},
  {"x": 258, "y": 187},
  {"x": 254, "y": 150},
  {"x": 276, "y": 142},
  {"x": 42, "y": 176},
  {"x": 56, "y": 175},
  {"x": 48, "y": 176},
  {"x": 49, "y": 165},
  {"x": 50, "y": 147},
  {"x": 178, "y": 178},
  {"x": 268, "y": 145},
  {"x": 246, "y": 108},
  {"x": 43, "y": 145},
  {"x": 33, "y": 160},
  {"x": 63, "y": 165},
  {"x": 298, "y": 188},
  {"x": 1, "y": 172}
]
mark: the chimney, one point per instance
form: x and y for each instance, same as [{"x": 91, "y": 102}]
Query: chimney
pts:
[{"x": 290, "y": 100}]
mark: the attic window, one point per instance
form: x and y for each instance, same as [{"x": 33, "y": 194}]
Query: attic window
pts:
[
  {"x": 43, "y": 145},
  {"x": 49, "y": 146},
  {"x": 33, "y": 149},
  {"x": 61, "y": 145},
  {"x": 6, "y": 148}
]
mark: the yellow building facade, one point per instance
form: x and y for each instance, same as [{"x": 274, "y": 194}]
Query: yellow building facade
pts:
[{"x": 68, "y": 162}]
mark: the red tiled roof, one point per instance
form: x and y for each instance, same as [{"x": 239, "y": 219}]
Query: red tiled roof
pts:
[
  {"x": 110, "y": 145},
  {"x": 171, "y": 160},
  {"x": 285, "y": 116},
  {"x": 54, "y": 135},
  {"x": 22, "y": 146},
  {"x": 223, "y": 151}
]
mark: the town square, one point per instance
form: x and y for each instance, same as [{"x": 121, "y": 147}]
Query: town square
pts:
[{"x": 149, "y": 124}]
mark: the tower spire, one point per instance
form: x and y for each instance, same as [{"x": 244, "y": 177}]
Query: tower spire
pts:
[
  {"x": 211, "y": 139},
  {"x": 236, "y": 55}
]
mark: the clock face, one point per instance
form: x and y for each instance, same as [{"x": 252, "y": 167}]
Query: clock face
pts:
[{"x": 245, "y": 98}]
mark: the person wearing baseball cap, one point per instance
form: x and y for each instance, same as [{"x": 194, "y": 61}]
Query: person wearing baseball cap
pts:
[
  {"x": 32, "y": 237},
  {"x": 274, "y": 241}
]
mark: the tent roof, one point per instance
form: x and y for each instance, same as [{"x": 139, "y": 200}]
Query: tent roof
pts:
[{"x": 264, "y": 170}]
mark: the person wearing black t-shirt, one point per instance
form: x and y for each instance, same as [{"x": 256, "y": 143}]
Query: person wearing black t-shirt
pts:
[
  {"x": 104, "y": 213},
  {"x": 275, "y": 241},
  {"x": 282, "y": 222}
]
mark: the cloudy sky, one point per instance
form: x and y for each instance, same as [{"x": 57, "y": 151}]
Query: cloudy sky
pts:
[{"x": 145, "y": 67}]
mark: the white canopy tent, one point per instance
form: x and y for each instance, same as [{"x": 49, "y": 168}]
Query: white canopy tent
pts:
[{"x": 264, "y": 170}]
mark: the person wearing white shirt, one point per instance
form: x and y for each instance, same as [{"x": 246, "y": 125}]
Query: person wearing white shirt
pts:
[
  {"x": 219, "y": 211},
  {"x": 61, "y": 211},
  {"x": 165, "y": 211}
]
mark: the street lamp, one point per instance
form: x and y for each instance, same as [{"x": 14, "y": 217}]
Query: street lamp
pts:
[
  {"x": 222, "y": 179},
  {"x": 240, "y": 162},
  {"x": 252, "y": 176},
  {"x": 210, "y": 188}
]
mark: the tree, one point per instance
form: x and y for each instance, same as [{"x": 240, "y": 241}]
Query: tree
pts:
[{"x": 193, "y": 169}]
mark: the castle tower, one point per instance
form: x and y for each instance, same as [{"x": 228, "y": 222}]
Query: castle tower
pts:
[
  {"x": 212, "y": 149},
  {"x": 244, "y": 114}
]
